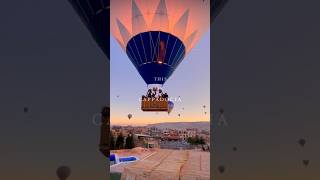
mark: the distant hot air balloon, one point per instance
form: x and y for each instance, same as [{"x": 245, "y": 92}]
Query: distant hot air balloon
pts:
[
  {"x": 221, "y": 118},
  {"x": 170, "y": 106},
  {"x": 129, "y": 116},
  {"x": 63, "y": 172},
  {"x": 234, "y": 148},
  {"x": 305, "y": 162},
  {"x": 302, "y": 142},
  {"x": 179, "y": 115},
  {"x": 25, "y": 109},
  {"x": 221, "y": 169}
]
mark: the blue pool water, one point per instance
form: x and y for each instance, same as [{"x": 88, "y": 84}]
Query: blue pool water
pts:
[
  {"x": 114, "y": 159},
  {"x": 126, "y": 159}
]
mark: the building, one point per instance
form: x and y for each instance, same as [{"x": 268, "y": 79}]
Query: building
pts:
[{"x": 146, "y": 141}]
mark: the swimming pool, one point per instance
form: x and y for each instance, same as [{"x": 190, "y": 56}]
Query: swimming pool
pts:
[{"x": 114, "y": 159}]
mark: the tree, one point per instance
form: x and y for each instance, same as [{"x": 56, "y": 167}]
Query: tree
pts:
[
  {"x": 202, "y": 141},
  {"x": 129, "y": 142},
  {"x": 120, "y": 141},
  {"x": 196, "y": 140},
  {"x": 190, "y": 140}
]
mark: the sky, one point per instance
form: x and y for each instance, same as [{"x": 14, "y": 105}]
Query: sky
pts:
[
  {"x": 190, "y": 82},
  {"x": 265, "y": 73},
  {"x": 127, "y": 86}
]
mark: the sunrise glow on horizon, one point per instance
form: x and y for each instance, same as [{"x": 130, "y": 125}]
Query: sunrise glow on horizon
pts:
[{"x": 193, "y": 88}]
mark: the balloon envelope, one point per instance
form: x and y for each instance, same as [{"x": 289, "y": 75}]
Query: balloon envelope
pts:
[
  {"x": 170, "y": 106},
  {"x": 129, "y": 116},
  {"x": 63, "y": 172},
  {"x": 302, "y": 142},
  {"x": 306, "y": 162},
  {"x": 221, "y": 169},
  {"x": 96, "y": 16}
]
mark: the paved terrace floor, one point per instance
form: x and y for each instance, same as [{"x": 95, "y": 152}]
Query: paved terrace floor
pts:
[{"x": 162, "y": 164}]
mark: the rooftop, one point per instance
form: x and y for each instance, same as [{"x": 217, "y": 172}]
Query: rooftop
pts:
[{"x": 172, "y": 164}]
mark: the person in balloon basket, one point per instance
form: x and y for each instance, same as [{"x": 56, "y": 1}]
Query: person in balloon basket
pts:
[
  {"x": 155, "y": 94},
  {"x": 165, "y": 96},
  {"x": 160, "y": 92},
  {"x": 149, "y": 93},
  {"x": 161, "y": 53}
]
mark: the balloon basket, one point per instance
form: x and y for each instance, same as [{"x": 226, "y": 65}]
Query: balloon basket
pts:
[{"x": 154, "y": 104}]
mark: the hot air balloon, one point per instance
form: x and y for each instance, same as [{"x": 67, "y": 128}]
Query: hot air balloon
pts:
[
  {"x": 305, "y": 162},
  {"x": 156, "y": 36},
  {"x": 302, "y": 142},
  {"x": 129, "y": 116},
  {"x": 221, "y": 169},
  {"x": 63, "y": 172},
  {"x": 234, "y": 148},
  {"x": 221, "y": 118},
  {"x": 25, "y": 109},
  {"x": 170, "y": 106}
]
